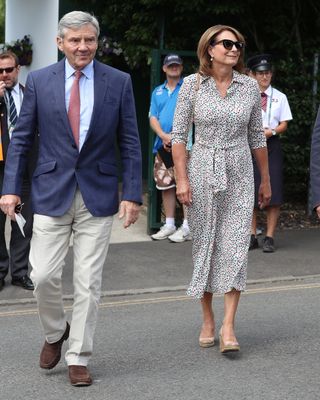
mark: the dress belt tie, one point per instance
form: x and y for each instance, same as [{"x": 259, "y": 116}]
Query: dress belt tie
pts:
[{"x": 217, "y": 169}]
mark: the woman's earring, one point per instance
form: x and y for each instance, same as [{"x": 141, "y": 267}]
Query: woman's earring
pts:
[{"x": 211, "y": 59}]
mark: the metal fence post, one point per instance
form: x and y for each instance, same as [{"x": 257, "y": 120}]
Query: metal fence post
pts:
[{"x": 314, "y": 108}]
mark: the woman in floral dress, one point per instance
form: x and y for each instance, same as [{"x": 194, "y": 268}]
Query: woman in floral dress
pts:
[{"x": 217, "y": 182}]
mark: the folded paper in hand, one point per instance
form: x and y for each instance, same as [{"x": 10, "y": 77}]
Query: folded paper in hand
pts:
[{"x": 21, "y": 222}]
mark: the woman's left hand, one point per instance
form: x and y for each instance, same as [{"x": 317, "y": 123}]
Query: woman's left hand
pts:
[
  {"x": 264, "y": 195},
  {"x": 184, "y": 192}
]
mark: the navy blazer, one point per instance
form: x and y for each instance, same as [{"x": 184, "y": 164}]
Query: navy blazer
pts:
[
  {"x": 315, "y": 163},
  {"x": 5, "y": 139},
  {"x": 60, "y": 167}
]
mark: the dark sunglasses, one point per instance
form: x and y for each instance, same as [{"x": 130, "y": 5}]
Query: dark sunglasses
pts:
[
  {"x": 7, "y": 70},
  {"x": 228, "y": 44}
]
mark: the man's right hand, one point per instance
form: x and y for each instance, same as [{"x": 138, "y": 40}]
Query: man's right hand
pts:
[
  {"x": 8, "y": 203},
  {"x": 166, "y": 140},
  {"x": 2, "y": 88}
]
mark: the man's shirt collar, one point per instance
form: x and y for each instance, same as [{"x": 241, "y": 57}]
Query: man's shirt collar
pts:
[
  {"x": 178, "y": 84},
  {"x": 16, "y": 88},
  {"x": 268, "y": 91},
  {"x": 87, "y": 70}
]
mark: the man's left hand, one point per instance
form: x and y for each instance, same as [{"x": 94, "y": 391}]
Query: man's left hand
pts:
[{"x": 130, "y": 210}]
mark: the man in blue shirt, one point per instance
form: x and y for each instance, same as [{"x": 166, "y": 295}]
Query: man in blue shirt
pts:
[{"x": 162, "y": 108}]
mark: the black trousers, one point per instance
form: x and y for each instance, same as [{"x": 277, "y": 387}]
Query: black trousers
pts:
[{"x": 19, "y": 246}]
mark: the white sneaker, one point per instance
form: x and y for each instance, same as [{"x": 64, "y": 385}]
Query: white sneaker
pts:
[
  {"x": 164, "y": 233},
  {"x": 181, "y": 235}
]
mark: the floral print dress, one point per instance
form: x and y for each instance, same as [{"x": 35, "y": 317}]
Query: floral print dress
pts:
[{"x": 220, "y": 174}]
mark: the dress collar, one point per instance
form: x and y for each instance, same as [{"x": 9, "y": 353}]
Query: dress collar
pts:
[{"x": 236, "y": 77}]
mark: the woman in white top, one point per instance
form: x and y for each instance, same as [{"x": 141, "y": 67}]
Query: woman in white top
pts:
[{"x": 275, "y": 114}]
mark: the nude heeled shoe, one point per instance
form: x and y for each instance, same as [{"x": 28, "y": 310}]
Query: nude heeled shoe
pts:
[
  {"x": 206, "y": 342},
  {"x": 229, "y": 346}
]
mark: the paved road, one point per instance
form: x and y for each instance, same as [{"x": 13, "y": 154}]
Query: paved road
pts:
[
  {"x": 163, "y": 265},
  {"x": 146, "y": 348},
  {"x": 146, "y": 344}
]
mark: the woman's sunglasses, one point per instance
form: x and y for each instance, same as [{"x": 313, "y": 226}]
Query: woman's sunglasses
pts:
[{"x": 228, "y": 44}]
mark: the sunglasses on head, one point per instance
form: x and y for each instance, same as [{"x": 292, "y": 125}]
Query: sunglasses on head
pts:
[
  {"x": 7, "y": 70},
  {"x": 228, "y": 44}
]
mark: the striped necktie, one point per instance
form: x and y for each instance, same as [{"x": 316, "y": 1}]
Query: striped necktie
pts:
[
  {"x": 264, "y": 100},
  {"x": 13, "y": 116},
  {"x": 74, "y": 107}
]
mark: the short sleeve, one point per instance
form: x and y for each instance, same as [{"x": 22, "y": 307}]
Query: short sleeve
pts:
[
  {"x": 183, "y": 115},
  {"x": 154, "y": 109},
  {"x": 285, "y": 110},
  {"x": 256, "y": 136}
]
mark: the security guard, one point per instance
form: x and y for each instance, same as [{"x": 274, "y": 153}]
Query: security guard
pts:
[{"x": 275, "y": 114}]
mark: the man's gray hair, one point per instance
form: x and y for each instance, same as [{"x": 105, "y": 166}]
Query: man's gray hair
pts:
[{"x": 75, "y": 20}]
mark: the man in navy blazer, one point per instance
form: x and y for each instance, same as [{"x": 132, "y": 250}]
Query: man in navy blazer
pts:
[
  {"x": 75, "y": 183},
  {"x": 315, "y": 166}
]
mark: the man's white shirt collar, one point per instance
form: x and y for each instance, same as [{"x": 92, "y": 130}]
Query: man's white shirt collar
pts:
[
  {"x": 87, "y": 70},
  {"x": 268, "y": 91},
  {"x": 16, "y": 88}
]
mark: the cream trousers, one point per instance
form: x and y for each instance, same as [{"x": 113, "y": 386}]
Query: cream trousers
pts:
[{"x": 49, "y": 247}]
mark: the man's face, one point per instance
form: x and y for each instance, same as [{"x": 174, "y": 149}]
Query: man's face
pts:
[
  {"x": 263, "y": 78},
  {"x": 173, "y": 70},
  {"x": 79, "y": 46},
  {"x": 9, "y": 72}
]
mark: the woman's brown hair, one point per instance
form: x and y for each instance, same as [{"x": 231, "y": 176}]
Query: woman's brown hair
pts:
[{"x": 205, "y": 41}]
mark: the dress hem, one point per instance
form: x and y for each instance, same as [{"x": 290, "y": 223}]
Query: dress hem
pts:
[{"x": 200, "y": 295}]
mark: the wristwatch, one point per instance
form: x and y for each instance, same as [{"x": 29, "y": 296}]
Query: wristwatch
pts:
[{"x": 274, "y": 133}]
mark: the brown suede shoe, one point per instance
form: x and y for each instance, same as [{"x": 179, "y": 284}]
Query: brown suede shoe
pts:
[
  {"x": 51, "y": 352},
  {"x": 79, "y": 375}
]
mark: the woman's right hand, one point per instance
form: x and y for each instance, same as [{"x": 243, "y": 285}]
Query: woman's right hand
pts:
[{"x": 184, "y": 192}]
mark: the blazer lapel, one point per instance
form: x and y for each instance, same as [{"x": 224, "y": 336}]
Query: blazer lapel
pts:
[
  {"x": 100, "y": 87},
  {"x": 59, "y": 93}
]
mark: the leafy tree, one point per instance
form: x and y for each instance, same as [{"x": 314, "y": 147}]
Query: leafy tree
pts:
[{"x": 287, "y": 30}]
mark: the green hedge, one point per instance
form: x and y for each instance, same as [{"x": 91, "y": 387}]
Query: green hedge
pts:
[{"x": 295, "y": 78}]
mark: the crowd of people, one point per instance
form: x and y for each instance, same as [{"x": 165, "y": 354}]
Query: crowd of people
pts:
[{"x": 217, "y": 151}]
